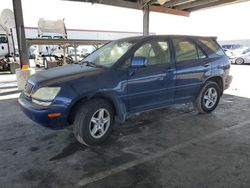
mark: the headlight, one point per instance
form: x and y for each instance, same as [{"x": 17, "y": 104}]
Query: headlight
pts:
[{"x": 45, "y": 95}]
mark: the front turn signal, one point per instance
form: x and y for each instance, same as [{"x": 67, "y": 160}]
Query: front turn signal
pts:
[{"x": 54, "y": 115}]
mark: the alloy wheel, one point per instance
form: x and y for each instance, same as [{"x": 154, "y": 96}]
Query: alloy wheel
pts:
[
  {"x": 210, "y": 98},
  {"x": 99, "y": 123}
]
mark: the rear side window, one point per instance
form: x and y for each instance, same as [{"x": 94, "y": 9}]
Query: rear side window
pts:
[
  {"x": 213, "y": 46},
  {"x": 186, "y": 50}
]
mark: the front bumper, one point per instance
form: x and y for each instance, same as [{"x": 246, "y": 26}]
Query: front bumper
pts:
[
  {"x": 228, "y": 81},
  {"x": 39, "y": 114},
  {"x": 232, "y": 60}
]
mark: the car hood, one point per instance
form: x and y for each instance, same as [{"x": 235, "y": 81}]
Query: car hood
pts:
[{"x": 62, "y": 74}]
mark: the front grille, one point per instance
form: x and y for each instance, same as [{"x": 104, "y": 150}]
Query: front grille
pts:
[{"x": 28, "y": 88}]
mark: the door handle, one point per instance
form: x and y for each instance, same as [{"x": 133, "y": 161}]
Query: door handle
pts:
[
  {"x": 132, "y": 72},
  {"x": 171, "y": 69},
  {"x": 206, "y": 65}
]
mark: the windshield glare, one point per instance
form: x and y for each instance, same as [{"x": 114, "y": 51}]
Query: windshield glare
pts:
[{"x": 108, "y": 55}]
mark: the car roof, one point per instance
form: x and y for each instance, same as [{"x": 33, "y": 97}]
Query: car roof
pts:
[{"x": 159, "y": 36}]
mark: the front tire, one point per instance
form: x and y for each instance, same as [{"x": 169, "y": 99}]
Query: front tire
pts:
[
  {"x": 94, "y": 122},
  {"x": 208, "y": 97}
]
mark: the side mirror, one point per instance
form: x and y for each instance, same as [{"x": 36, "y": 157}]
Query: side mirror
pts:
[{"x": 139, "y": 62}]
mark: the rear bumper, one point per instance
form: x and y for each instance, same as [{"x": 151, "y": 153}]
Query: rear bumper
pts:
[
  {"x": 39, "y": 114},
  {"x": 228, "y": 81}
]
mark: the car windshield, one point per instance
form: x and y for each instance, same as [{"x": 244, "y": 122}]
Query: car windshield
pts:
[
  {"x": 246, "y": 51},
  {"x": 108, "y": 55}
]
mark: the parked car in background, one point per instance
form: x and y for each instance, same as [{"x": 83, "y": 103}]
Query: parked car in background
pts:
[
  {"x": 229, "y": 53},
  {"x": 231, "y": 46},
  {"x": 125, "y": 77},
  {"x": 241, "y": 57}
]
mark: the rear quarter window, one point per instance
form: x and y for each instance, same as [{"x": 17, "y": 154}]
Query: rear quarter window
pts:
[
  {"x": 186, "y": 50},
  {"x": 213, "y": 47}
]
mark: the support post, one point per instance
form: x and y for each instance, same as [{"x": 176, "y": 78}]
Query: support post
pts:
[
  {"x": 96, "y": 46},
  {"x": 13, "y": 43},
  {"x": 64, "y": 54},
  {"x": 21, "y": 40},
  {"x": 23, "y": 73},
  {"x": 75, "y": 48},
  {"x": 146, "y": 20}
]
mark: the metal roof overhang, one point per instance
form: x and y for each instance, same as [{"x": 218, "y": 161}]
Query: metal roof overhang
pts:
[
  {"x": 64, "y": 42},
  {"x": 176, "y": 7}
]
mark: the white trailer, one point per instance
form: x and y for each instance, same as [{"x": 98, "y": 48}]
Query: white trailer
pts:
[
  {"x": 50, "y": 29},
  {"x": 8, "y": 60},
  {"x": 3, "y": 43}
]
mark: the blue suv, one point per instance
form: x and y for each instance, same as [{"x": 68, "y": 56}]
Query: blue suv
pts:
[{"x": 125, "y": 77}]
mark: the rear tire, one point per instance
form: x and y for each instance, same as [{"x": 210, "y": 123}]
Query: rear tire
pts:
[
  {"x": 208, "y": 97},
  {"x": 93, "y": 122}
]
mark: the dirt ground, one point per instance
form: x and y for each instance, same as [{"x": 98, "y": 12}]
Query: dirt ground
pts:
[{"x": 172, "y": 147}]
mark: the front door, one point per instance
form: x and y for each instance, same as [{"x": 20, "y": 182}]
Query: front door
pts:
[{"x": 153, "y": 85}]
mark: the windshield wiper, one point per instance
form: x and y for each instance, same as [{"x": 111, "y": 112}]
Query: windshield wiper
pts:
[
  {"x": 91, "y": 64},
  {"x": 88, "y": 63}
]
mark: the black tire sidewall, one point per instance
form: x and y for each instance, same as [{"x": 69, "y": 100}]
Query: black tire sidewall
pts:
[
  {"x": 207, "y": 86},
  {"x": 84, "y": 116}
]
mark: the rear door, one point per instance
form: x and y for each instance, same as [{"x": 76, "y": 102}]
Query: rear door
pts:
[{"x": 191, "y": 64}]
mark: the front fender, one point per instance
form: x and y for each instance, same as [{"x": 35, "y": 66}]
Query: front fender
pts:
[{"x": 120, "y": 107}]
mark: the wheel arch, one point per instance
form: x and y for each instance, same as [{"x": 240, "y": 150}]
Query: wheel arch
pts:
[
  {"x": 119, "y": 107},
  {"x": 219, "y": 80}
]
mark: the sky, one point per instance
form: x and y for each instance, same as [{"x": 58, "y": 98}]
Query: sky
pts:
[{"x": 227, "y": 22}]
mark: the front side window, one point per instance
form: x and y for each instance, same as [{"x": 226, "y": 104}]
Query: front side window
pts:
[
  {"x": 186, "y": 50},
  {"x": 145, "y": 51},
  {"x": 156, "y": 52},
  {"x": 213, "y": 46}
]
